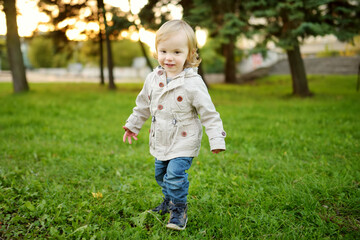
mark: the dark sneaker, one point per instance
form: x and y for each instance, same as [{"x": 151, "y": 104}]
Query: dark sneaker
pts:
[
  {"x": 163, "y": 208},
  {"x": 178, "y": 216}
]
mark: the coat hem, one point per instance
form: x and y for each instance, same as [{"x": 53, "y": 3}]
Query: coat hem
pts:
[{"x": 172, "y": 156}]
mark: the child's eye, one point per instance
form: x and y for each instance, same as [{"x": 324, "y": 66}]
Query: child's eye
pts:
[
  {"x": 177, "y": 52},
  {"x": 162, "y": 51}
]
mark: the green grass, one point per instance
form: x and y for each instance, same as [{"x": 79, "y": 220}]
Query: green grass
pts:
[{"x": 291, "y": 169}]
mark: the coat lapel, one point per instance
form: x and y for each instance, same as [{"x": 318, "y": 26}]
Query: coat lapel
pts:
[{"x": 176, "y": 82}]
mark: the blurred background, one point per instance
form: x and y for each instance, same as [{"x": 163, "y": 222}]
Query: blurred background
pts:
[{"x": 238, "y": 41}]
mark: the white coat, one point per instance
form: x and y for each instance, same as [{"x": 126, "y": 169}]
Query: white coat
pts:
[{"x": 175, "y": 108}]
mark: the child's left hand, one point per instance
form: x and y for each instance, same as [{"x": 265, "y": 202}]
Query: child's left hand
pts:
[{"x": 216, "y": 151}]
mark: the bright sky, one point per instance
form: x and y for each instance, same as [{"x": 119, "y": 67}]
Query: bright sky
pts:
[{"x": 29, "y": 19}]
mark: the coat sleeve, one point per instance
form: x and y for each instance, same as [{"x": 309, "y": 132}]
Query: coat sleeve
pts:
[
  {"x": 209, "y": 117},
  {"x": 141, "y": 111}
]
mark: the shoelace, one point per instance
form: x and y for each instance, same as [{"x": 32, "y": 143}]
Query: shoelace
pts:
[{"x": 176, "y": 211}]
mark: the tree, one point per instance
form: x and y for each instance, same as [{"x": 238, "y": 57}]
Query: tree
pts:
[
  {"x": 150, "y": 21},
  {"x": 108, "y": 45},
  {"x": 121, "y": 22},
  {"x": 41, "y": 52},
  {"x": 72, "y": 10},
  {"x": 225, "y": 20},
  {"x": 126, "y": 50},
  {"x": 59, "y": 11},
  {"x": 101, "y": 49},
  {"x": 187, "y": 5},
  {"x": 13, "y": 48},
  {"x": 289, "y": 22}
]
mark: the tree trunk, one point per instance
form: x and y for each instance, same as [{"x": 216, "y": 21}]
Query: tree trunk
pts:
[
  {"x": 101, "y": 49},
  {"x": 108, "y": 47},
  {"x": 298, "y": 73},
  {"x": 148, "y": 62},
  {"x": 13, "y": 48},
  {"x": 145, "y": 55},
  {"x": 230, "y": 67},
  {"x": 109, "y": 54}
]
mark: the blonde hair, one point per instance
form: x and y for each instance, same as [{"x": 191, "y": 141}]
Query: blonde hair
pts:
[{"x": 174, "y": 26}]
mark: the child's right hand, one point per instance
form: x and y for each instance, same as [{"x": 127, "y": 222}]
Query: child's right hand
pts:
[
  {"x": 216, "y": 151},
  {"x": 128, "y": 135}
]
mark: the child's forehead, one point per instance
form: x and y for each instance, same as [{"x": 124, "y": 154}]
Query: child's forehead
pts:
[
  {"x": 174, "y": 37},
  {"x": 172, "y": 34}
]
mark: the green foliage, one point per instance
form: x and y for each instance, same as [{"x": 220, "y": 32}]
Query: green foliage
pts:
[
  {"x": 353, "y": 48},
  {"x": 89, "y": 53},
  {"x": 41, "y": 52},
  {"x": 65, "y": 10},
  {"x": 124, "y": 51},
  {"x": 151, "y": 21},
  {"x": 328, "y": 52},
  {"x": 291, "y": 169},
  {"x": 201, "y": 14},
  {"x": 226, "y": 20},
  {"x": 233, "y": 27},
  {"x": 61, "y": 59},
  {"x": 119, "y": 23},
  {"x": 44, "y": 53},
  {"x": 313, "y": 29},
  {"x": 68, "y": 53},
  {"x": 212, "y": 60},
  {"x": 65, "y": 50},
  {"x": 289, "y": 20}
]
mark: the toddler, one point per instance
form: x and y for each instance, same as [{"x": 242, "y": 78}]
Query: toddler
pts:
[{"x": 174, "y": 95}]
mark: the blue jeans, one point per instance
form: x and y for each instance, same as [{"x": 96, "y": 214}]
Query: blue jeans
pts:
[{"x": 173, "y": 179}]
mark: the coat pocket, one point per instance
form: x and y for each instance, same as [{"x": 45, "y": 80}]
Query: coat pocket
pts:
[
  {"x": 166, "y": 136},
  {"x": 180, "y": 100},
  {"x": 189, "y": 136}
]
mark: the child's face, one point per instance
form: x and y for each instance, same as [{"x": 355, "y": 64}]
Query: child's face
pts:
[{"x": 172, "y": 53}]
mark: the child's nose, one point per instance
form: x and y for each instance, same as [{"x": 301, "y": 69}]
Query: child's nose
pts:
[{"x": 169, "y": 56}]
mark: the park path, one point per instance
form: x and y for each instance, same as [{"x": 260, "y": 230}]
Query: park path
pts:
[
  {"x": 38, "y": 77},
  {"x": 330, "y": 65}
]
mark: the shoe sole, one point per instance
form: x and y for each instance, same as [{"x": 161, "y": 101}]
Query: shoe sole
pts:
[{"x": 176, "y": 227}]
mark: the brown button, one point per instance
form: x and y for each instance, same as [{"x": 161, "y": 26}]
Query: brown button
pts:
[
  {"x": 179, "y": 98},
  {"x": 160, "y": 72},
  {"x": 223, "y": 133},
  {"x": 183, "y": 134},
  {"x": 161, "y": 84},
  {"x": 160, "y": 107}
]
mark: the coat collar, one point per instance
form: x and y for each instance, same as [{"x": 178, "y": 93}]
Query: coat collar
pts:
[
  {"x": 187, "y": 72},
  {"x": 177, "y": 80}
]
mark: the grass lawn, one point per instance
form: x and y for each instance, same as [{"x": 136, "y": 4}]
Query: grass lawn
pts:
[{"x": 291, "y": 169}]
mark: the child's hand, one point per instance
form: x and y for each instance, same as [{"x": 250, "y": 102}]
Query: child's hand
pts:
[
  {"x": 128, "y": 134},
  {"x": 216, "y": 151}
]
